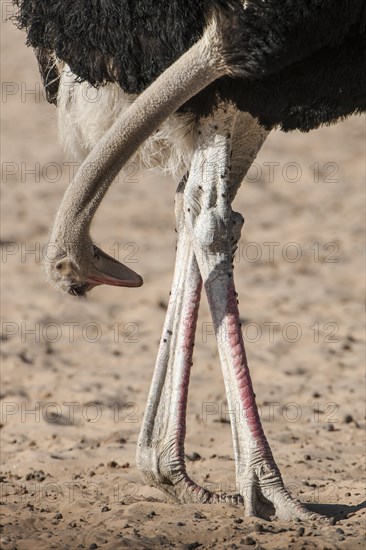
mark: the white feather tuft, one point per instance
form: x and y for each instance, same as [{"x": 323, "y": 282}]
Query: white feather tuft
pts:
[{"x": 85, "y": 113}]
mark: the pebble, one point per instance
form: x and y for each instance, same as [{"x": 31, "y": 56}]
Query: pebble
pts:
[
  {"x": 329, "y": 427},
  {"x": 238, "y": 520},
  {"x": 300, "y": 531},
  {"x": 193, "y": 545},
  {"x": 93, "y": 546},
  {"x": 113, "y": 464},
  {"x": 105, "y": 509},
  {"x": 193, "y": 457},
  {"x": 38, "y": 475},
  {"x": 348, "y": 418},
  {"x": 340, "y": 531},
  {"x": 248, "y": 540},
  {"x": 58, "y": 515}
]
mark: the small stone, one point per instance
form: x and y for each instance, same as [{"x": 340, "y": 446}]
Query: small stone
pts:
[
  {"x": 300, "y": 531},
  {"x": 58, "y": 515},
  {"x": 332, "y": 521},
  {"x": 258, "y": 528},
  {"x": 249, "y": 541},
  {"x": 93, "y": 546},
  {"x": 307, "y": 457},
  {"x": 339, "y": 530},
  {"x": 238, "y": 520},
  {"x": 199, "y": 515},
  {"x": 113, "y": 464},
  {"x": 193, "y": 545},
  {"x": 329, "y": 427},
  {"x": 347, "y": 494},
  {"x": 105, "y": 509},
  {"x": 348, "y": 418},
  {"x": 38, "y": 475},
  {"x": 193, "y": 457},
  {"x": 180, "y": 524}
]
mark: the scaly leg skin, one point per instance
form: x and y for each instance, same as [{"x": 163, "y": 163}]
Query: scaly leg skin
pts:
[
  {"x": 215, "y": 230},
  {"x": 160, "y": 451}
]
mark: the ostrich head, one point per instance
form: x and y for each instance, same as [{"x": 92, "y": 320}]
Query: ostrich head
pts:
[{"x": 79, "y": 269}]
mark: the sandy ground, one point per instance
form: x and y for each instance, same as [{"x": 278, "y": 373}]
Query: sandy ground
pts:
[{"x": 75, "y": 374}]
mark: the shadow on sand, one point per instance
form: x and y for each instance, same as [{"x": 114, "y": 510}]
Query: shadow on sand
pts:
[{"x": 338, "y": 511}]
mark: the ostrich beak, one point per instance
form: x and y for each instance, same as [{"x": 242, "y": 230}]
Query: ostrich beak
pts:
[{"x": 108, "y": 271}]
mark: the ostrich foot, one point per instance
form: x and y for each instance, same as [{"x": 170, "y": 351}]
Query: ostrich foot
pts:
[
  {"x": 174, "y": 481},
  {"x": 266, "y": 497}
]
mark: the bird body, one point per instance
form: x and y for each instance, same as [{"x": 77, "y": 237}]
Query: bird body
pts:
[{"x": 295, "y": 64}]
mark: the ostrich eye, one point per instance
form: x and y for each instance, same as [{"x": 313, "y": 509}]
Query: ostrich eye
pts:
[
  {"x": 96, "y": 253},
  {"x": 78, "y": 289}
]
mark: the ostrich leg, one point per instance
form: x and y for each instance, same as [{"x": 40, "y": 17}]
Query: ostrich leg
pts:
[
  {"x": 160, "y": 451},
  {"x": 215, "y": 230}
]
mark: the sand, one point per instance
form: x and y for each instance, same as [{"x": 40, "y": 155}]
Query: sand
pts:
[{"x": 75, "y": 373}]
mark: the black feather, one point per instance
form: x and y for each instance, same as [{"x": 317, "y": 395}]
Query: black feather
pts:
[{"x": 295, "y": 64}]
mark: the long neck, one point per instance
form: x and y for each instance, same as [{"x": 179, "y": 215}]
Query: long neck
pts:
[{"x": 197, "y": 68}]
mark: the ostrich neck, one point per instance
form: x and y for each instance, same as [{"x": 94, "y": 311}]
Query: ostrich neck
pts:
[{"x": 198, "y": 67}]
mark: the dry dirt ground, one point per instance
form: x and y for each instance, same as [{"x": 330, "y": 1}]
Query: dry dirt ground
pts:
[{"x": 75, "y": 374}]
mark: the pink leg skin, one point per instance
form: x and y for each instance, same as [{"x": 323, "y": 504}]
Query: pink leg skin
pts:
[
  {"x": 245, "y": 387},
  {"x": 160, "y": 451}
]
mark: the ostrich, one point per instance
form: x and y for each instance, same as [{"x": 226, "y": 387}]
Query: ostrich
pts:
[{"x": 209, "y": 79}]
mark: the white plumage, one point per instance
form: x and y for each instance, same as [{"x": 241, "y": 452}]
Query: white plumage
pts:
[{"x": 85, "y": 113}]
